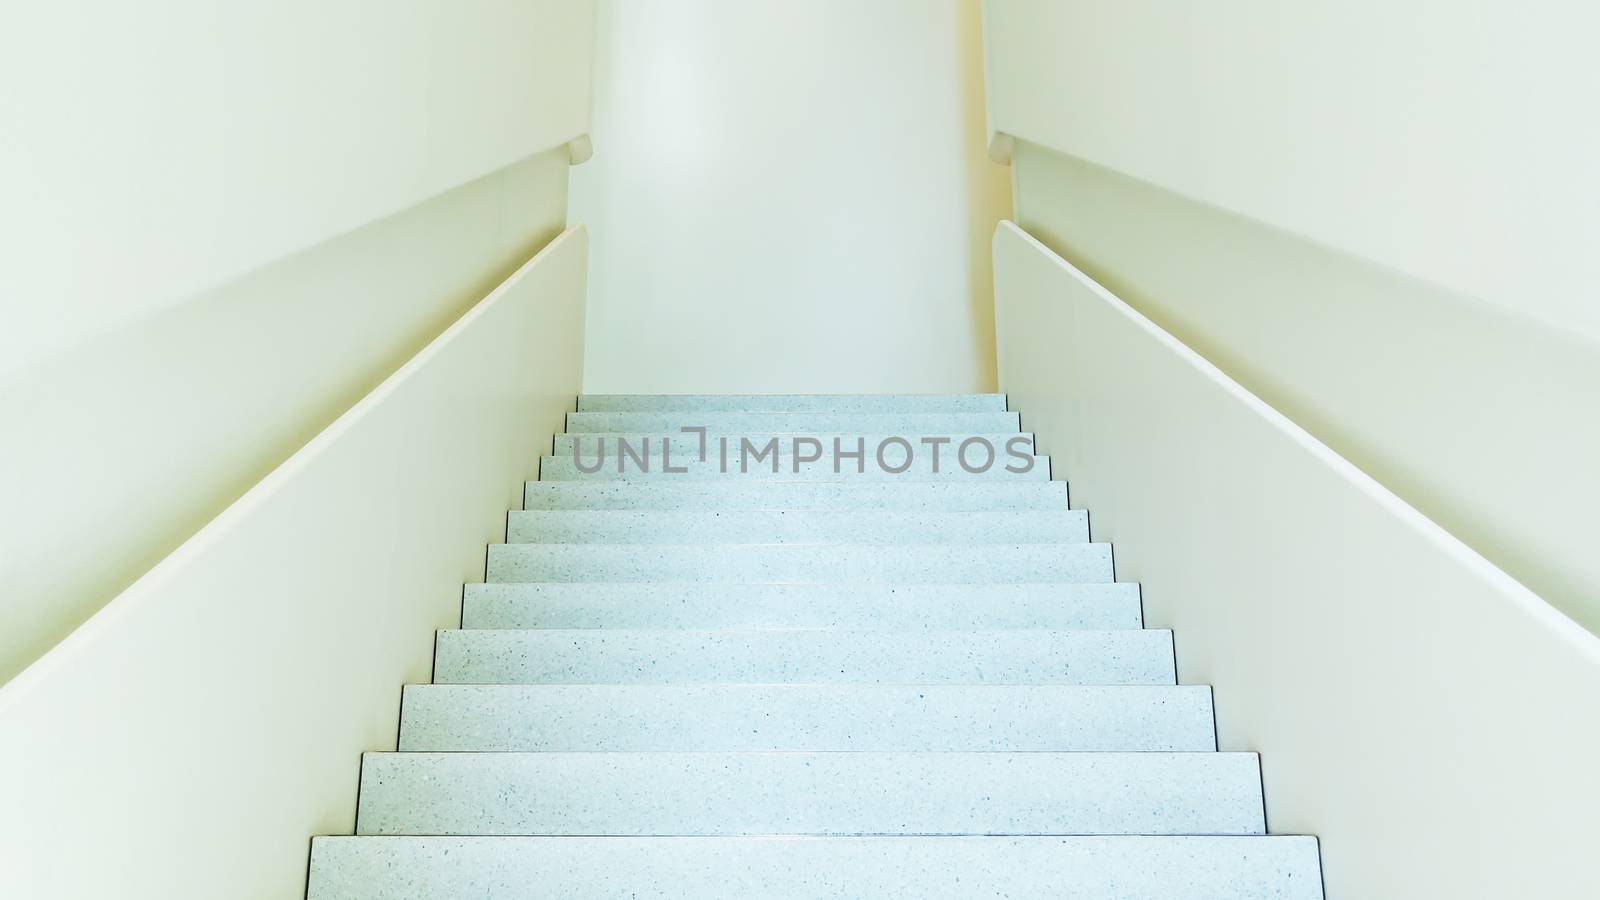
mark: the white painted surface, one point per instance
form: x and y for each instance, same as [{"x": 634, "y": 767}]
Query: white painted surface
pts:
[
  {"x": 1430, "y": 719},
  {"x": 789, "y": 197},
  {"x": 224, "y": 225},
  {"x": 1449, "y": 139},
  {"x": 1378, "y": 217},
  {"x": 154, "y": 151},
  {"x": 187, "y": 741},
  {"x": 120, "y": 449}
]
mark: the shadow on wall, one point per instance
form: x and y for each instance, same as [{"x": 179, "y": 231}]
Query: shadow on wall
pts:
[
  {"x": 1481, "y": 420},
  {"x": 121, "y": 448}
]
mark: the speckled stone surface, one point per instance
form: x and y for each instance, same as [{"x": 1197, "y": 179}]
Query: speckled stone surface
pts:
[
  {"x": 809, "y": 793},
  {"x": 793, "y": 402},
  {"x": 925, "y": 563},
  {"x": 821, "y": 605},
  {"x": 565, "y": 468},
  {"x": 803, "y": 655},
  {"x": 817, "y": 868},
  {"x": 619, "y": 526},
  {"x": 687, "y": 446},
  {"x": 816, "y": 717},
  {"x": 857, "y": 494},
  {"x": 902, "y": 423},
  {"x": 715, "y": 685}
]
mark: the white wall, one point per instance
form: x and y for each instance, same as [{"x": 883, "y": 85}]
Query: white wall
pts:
[
  {"x": 187, "y": 742},
  {"x": 1376, "y": 216},
  {"x": 1430, "y": 719},
  {"x": 789, "y": 197},
  {"x": 225, "y": 224}
]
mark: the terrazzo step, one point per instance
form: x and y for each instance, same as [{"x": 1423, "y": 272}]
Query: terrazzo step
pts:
[
  {"x": 925, "y": 563},
  {"x": 817, "y": 868},
  {"x": 909, "y": 424},
  {"x": 803, "y": 655},
  {"x": 773, "y": 526},
  {"x": 775, "y": 468},
  {"x": 847, "y": 793},
  {"x": 809, "y": 717},
  {"x": 792, "y": 402},
  {"x": 819, "y": 605},
  {"x": 855, "y": 494},
  {"x": 687, "y": 446}
]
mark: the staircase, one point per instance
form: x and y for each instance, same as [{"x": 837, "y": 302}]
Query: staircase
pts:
[{"x": 730, "y": 681}]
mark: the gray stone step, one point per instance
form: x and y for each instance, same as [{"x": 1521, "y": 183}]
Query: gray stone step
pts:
[
  {"x": 1131, "y": 867},
  {"x": 566, "y": 468},
  {"x": 901, "y": 495},
  {"x": 909, "y": 424},
  {"x": 688, "y": 446},
  {"x": 792, "y": 402},
  {"x": 905, "y": 563},
  {"x": 810, "y": 717},
  {"x": 847, "y": 793},
  {"x": 803, "y": 655},
  {"x": 610, "y": 526},
  {"x": 820, "y": 605}
]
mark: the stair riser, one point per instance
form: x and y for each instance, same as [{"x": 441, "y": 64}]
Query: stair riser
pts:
[
  {"x": 856, "y": 494},
  {"x": 778, "y": 526},
  {"x": 687, "y": 446},
  {"x": 834, "y": 403},
  {"x": 760, "y": 717},
  {"x": 1060, "y": 606},
  {"x": 897, "y": 868},
  {"x": 809, "y": 793},
  {"x": 910, "y": 425},
  {"x": 567, "y": 468},
  {"x": 997, "y": 564},
  {"x": 796, "y": 656}
]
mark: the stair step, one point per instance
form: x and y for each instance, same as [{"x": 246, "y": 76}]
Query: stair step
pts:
[
  {"x": 926, "y": 563},
  {"x": 775, "y": 526},
  {"x": 821, "y": 605},
  {"x": 810, "y": 717},
  {"x": 792, "y": 402},
  {"x": 565, "y": 468},
  {"x": 907, "y": 496},
  {"x": 687, "y": 446},
  {"x": 803, "y": 655},
  {"x": 847, "y": 793},
  {"x": 1121, "y": 867},
  {"x": 908, "y": 424}
]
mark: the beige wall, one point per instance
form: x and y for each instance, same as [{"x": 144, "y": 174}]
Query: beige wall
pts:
[
  {"x": 1431, "y": 720},
  {"x": 789, "y": 196},
  {"x": 1372, "y": 215},
  {"x": 228, "y": 223},
  {"x": 191, "y": 737}
]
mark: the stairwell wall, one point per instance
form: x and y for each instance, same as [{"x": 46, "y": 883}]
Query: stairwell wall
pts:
[
  {"x": 225, "y": 223},
  {"x": 790, "y": 197},
  {"x": 1430, "y": 719},
  {"x": 191, "y": 737},
  {"x": 1377, "y": 216}
]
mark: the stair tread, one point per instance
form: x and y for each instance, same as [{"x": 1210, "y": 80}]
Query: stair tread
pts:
[
  {"x": 817, "y": 868},
  {"x": 707, "y": 793},
  {"x": 813, "y": 717}
]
